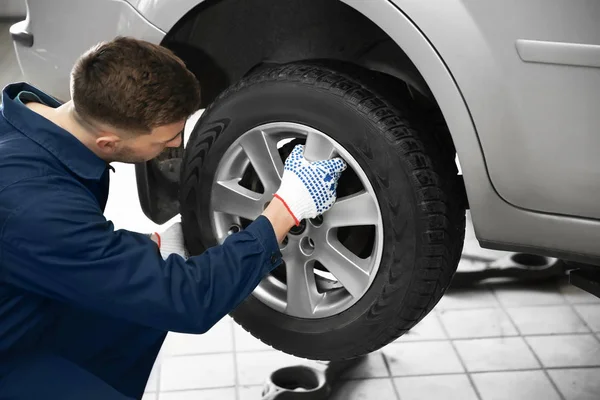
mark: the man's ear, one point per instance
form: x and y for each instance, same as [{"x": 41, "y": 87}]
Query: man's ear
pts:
[{"x": 108, "y": 143}]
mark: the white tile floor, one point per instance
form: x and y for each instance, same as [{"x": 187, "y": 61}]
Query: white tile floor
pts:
[
  {"x": 497, "y": 354},
  {"x": 435, "y": 387},
  {"x": 515, "y": 385},
  {"x": 503, "y": 342}
]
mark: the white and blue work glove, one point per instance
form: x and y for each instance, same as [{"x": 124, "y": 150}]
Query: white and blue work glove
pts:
[
  {"x": 171, "y": 241},
  {"x": 308, "y": 188}
]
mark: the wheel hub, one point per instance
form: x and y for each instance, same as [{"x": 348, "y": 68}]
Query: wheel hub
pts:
[{"x": 307, "y": 246}]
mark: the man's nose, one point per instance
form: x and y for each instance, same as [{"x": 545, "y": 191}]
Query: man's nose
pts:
[{"x": 175, "y": 143}]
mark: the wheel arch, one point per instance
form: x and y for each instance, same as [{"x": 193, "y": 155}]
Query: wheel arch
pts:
[
  {"x": 415, "y": 61},
  {"x": 288, "y": 32}
]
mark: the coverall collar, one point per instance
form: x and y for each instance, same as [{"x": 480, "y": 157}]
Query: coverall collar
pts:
[{"x": 63, "y": 145}]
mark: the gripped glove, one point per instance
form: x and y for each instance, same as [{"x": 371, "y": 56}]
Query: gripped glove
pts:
[
  {"x": 171, "y": 242},
  {"x": 308, "y": 188}
]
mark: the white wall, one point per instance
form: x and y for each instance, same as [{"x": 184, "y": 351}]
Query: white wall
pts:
[{"x": 12, "y": 8}]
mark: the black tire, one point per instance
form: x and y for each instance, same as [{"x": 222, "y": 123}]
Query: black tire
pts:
[{"x": 414, "y": 178}]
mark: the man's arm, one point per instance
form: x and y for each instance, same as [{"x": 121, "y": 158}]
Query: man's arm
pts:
[
  {"x": 171, "y": 241},
  {"x": 281, "y": 220},
  {"x": 62, "y": 247}
]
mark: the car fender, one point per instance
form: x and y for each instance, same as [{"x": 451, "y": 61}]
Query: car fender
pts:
[
  {"x": 392, "y": 19},
  {"x": 419, "y": 29}
]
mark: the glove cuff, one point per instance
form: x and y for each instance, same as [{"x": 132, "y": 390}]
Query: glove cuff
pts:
[
  {"x": 158, "y": 240},
  {"x": 171, "y": 242},
  {"x": 172, "y": 247},
  {"x": 296, "y": 221},
  {"x": 296, "y": 197}
]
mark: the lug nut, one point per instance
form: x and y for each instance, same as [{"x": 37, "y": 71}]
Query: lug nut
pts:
[
  {"x": 318, "y": 221},
  {"x": 307, "y": 246},
  {"x": 234, "y": 229}
]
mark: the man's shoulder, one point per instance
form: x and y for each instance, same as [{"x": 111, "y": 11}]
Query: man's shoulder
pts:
[
  {"x": 21, "y": 158},
  {"x": 31, "y": 177}
]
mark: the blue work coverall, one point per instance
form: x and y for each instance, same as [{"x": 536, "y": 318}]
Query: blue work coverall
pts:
[{"x": 84, "y": 308}]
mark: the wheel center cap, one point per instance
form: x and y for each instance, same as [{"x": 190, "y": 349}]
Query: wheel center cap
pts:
[{"x": 298, "y": 230}]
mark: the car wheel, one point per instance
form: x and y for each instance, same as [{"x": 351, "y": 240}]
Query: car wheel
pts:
[{"x": 375, "y": 264}]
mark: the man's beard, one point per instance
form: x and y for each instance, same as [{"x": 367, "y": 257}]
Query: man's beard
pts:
[{"x": 127, "y": 156}]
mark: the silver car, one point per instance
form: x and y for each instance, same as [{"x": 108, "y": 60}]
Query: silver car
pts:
[{"x": 401, "y": 89}]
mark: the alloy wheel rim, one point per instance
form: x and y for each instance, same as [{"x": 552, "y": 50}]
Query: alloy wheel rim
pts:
[{"x": 321, "y": 277}]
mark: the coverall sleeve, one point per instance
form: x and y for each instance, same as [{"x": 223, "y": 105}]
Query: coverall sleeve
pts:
[{"x": 62, "y": 247}]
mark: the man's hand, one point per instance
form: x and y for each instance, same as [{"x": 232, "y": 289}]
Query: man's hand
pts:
[
  {"x": 171, "y": 241},
  {"x": 308, "y": 189}
]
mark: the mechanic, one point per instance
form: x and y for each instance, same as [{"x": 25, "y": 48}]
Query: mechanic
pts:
[{"x": 84, "y": 308}]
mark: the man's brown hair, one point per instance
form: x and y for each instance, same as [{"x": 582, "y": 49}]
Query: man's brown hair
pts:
[{"x": 133, "y": 85}]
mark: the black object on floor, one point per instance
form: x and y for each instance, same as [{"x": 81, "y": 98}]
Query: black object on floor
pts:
[
  {"x": 517, "y": 267},
  {"x": 301, "y": 382},
  {"x": 586, "y": 278}
]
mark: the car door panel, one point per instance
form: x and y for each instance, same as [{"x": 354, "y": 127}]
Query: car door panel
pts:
[{"x": 536, "y": 112}]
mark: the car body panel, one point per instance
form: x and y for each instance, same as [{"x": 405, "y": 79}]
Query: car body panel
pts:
[
  {"x": 499, "y": 100},
  {"x": 527, "y": 114},
  {"x": 164, "y": 14},
  {"x": 537, "y": 121},
  {"x": 498, "y": 223},
  {"x": 60, "y": 37}
]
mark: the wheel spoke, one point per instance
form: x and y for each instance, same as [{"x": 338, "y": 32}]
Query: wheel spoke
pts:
[
  {"x": 231, "y": 198},
  {"x": 291, "y": 249},
  {"x": 302, "y": 294},
  {"x": 264, "y": 157},
  {"x": 349, "y": 269},
  {"x": 354, "y": 210},
  {"x": 318, "y": 147}
]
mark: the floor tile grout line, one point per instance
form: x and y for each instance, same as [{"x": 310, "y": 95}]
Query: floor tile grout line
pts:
[
  {"x": 200, "y": 389},
  {"x": 547, "y": 306},
  {"x": 389, "y": 371},
  {"x": 467, "y": 372},
  {"x": 591, "y": 330},
  {"x": 462, "y": 362},
  {"x": 537, "y": 358},
  {"x": 486, "y": 371},
  {"x": 578, "y": 314},
  {"x": 462, "y": 339}
]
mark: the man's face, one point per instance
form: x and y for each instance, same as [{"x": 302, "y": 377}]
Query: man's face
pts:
[{"x": 142, "y": 148}]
